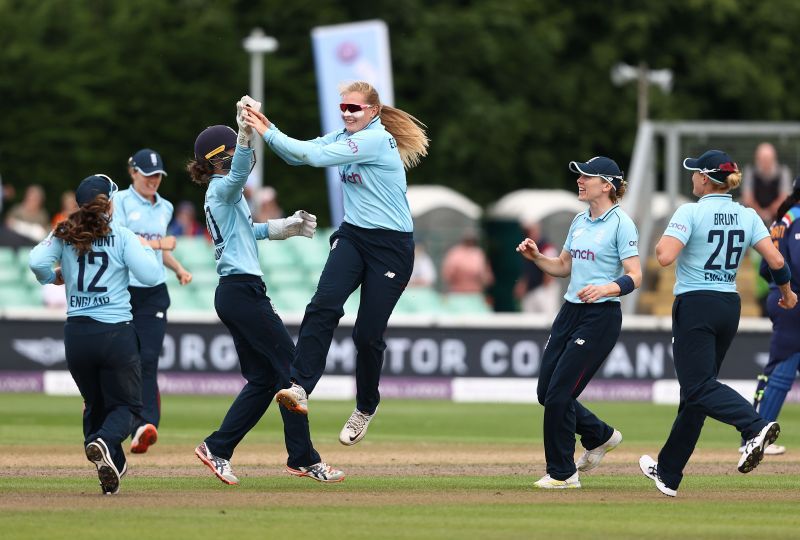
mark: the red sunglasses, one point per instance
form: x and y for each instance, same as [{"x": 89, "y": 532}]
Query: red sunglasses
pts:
[{"x": 352, "y": 107}]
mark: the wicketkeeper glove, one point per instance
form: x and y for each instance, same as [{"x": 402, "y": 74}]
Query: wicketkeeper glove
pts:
[
  {"x": 245, "y": 134},
  {"x": 301, "y": 223}
]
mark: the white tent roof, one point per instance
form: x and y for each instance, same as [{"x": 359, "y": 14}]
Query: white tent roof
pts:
[
  {"x": 423, "y": 199},
  {"x": 533, "y": 205},
  {"x": 661, "y": 205}
]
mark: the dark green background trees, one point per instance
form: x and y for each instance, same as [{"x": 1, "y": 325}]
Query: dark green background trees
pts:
[{"x": 511, "y": 91}]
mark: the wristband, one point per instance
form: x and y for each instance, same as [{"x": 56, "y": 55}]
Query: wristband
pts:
[
  {"x": 625, "y": 283},
  {"x": 782, "y": 276}
]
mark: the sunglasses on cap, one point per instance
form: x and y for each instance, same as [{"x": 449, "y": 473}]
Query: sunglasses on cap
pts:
[{"x": 352, "y": 107}]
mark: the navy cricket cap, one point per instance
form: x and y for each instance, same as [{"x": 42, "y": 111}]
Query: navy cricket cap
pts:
[
  {"x": 147, "y": 162},
  {"x": 213, "y": 141},
  {"x": 92, "y": 186},
  {"x": 715, "y": 164},
  {"x": 601, "y": 166}
]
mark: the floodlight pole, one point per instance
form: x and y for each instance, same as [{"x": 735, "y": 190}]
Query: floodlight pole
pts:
[
  {"x": 644, "y": 77},
  {"x": 643, "y": 98},
  {"x": 258, "y": 44}
]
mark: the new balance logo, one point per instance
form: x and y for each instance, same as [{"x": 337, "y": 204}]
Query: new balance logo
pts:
[
  {"x": 390, "y": 275},
  {"x": 580, "y": 341}
]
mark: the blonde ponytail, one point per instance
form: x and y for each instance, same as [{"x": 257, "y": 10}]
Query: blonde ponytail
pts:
[
  {"x": 733, "y": 180},
  {"x": 412, "y": 141}
]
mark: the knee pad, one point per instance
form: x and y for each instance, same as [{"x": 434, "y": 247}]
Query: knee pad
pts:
[
  {"x": 779, "y": 384},
  {"x": 783, "y": 375}
]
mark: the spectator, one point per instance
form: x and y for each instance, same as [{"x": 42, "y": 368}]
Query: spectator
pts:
[
  {"x": 765, "y": 183},
  {"x": 68, "y": 206},
  {"x": 537, "y": 291},
  {"x": 465, "y": 268},
  {"x": 266, "y": 199},
  {"x": 424, "y": 271},
  {"x": 185, "y": 221},
  {"x": 29, "y": 218}
]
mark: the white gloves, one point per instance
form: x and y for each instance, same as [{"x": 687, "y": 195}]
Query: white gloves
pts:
[
  {"x": 245, "y": 132},
  {"x": 301, "y": 223}
]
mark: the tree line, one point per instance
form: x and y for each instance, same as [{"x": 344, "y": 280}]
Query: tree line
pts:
[{"x": 510, "y": 91}]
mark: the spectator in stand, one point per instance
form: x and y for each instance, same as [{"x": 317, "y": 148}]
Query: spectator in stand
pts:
[
  {"x": 185, "y": 221},
  {"x": 538, "y": 291},
  {"x": 766, "y": 183},
  {"x": 267, "y": 208},
  {"x": 68, "y": 206},
  {"x": 29, "y": 218},
  {"x": 424, "y": 271},
  {"x": 465, "y": 268}
]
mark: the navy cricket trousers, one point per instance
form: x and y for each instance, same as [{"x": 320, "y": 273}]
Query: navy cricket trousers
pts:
[
  {"x": 265, "y": 351},
  {"x": 149, "y": 309},
  {"x": 378, "y": 260},
  {"x": 104, "y": 360},
  {"x": 703, "y": 326},
  {"x": 581, "y": 338}
]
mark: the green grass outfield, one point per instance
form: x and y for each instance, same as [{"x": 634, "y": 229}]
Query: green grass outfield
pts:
[{"x": 426, "y": 470}]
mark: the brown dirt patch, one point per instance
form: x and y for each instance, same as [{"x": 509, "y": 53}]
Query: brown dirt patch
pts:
[{"x": 379, "y": 459}]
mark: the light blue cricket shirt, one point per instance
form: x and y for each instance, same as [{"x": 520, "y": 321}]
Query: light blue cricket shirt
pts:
[
  {"x": 146, "y": 219},
  {"x": 97, "y": 282},
  {"x": 229, "y": 221},
  {"x": 598, "y": 247},
  {"x": 370, "y": 169},
  {"x": 715, "y": 232}
]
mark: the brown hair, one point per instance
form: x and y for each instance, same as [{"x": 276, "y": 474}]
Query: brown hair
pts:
[
  {"x": 616, "y": 194},
  {"x": 412, "y": 141},
  {"x": 88, "y": 223},
  {"x": 200, "y": 171}
]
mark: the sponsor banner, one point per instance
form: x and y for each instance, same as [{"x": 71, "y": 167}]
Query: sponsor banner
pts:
[
  {"x": 343, "y": 388},
  {"x": 200, "y": 383},
  {"x": 21, "y": 381},
  {"x": 414, "y": 388},
  {"x": 424, "y": 350}
]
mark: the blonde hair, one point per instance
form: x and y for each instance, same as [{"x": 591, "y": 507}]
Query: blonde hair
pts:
[
  {"x": 408, "y": 132},
  {"x": 731, "y": 182},
  {"x": 734, "y": 180}
]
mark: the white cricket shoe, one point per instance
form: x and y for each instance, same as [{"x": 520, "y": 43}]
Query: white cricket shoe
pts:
[
  {"x": 592, "y": 458},
  {"x": 355, "y": 428},
  {"x": 649, "y": 468},
  {"x": 219, "y": 466},
  {"x": 321, "y": 472},
  {"x": 97, "y": 452},
  {"x": 547, "y": 482},
  {"x": 771, "y": 450},
  {"x": 754, "y": 448},
  {"x": 294, "y": 398}
]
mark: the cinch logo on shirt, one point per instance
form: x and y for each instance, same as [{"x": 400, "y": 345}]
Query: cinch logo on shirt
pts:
[
  {"x": 679, "y": 226},
  {"x": 352, "y": 178},
  {"x": 582, "y": 254}
]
